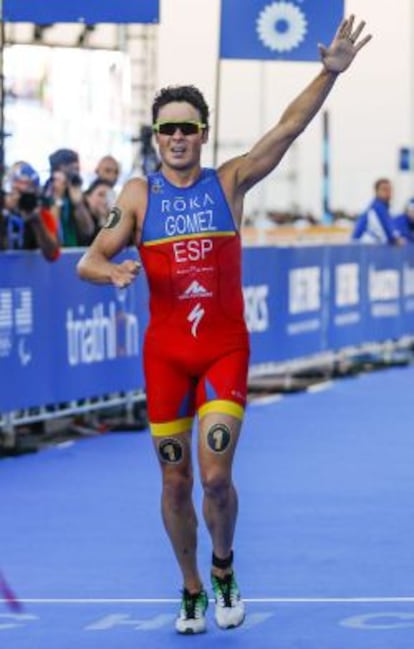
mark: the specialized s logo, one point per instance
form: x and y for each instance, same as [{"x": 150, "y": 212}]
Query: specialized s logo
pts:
[{"x": 195, "y": 317}]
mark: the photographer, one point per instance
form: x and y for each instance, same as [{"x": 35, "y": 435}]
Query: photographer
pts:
[
  {"x": 63, "y": 192},
  {"x": 26, "y": 224}
]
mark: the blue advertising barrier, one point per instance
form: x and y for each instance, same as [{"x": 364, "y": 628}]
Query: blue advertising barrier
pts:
[
  {"x": 302, "y": 301},
  {"x": 64, "y": 340}
]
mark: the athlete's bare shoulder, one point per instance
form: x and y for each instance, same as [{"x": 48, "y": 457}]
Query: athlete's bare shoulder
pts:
[
  {"x": 134, "y": 189},
  {"x": 133, "y": 198}
]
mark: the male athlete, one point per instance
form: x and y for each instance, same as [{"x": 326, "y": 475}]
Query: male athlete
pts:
[{"x": 185, "y": 220}]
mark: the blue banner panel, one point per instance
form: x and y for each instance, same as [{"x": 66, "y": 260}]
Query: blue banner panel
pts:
[
  {"x": 262, "y": 302},
  {"x": 288, "y": 30},
  {"x": 346, "y": 297},
  {"x": 62, "y": 339},
  {"x": 383, "y": 298},
  {"x": 302, "y": 317},
  {"x": 86, "y": 11},
  {"x": 284, "y": 302},
  {"x": 25, "y": 379},
  {"x": 407, "y": 298}
]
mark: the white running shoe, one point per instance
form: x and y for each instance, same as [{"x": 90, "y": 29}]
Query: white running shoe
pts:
[
  {"x": 191, "y": 618},
  {"x": 230, "y": 611}
]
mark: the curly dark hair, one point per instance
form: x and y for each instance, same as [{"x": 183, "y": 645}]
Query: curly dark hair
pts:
[{"x": 189, "y": 94}]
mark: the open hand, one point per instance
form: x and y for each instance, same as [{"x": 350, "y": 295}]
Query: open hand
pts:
[{"x": 344, "y": 47}]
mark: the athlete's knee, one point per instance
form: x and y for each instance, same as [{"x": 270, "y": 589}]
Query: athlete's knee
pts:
[
  {"x": 177, "y": 487},
  {"x": 216, "y": 484}
]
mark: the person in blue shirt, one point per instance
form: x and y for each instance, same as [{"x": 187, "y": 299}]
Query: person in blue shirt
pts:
[
  {"x": 404, "y": 223},
  {"x": 375, "y": 224}
]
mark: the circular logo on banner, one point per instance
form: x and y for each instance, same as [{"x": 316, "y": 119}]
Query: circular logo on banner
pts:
[
  {"x": 281, "y": 26},
  {"x": 218, "y": 438},
  {"x": 171, "y": 451}
]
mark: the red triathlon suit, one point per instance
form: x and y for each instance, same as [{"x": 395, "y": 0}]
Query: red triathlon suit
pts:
[{"x": 196, "y": 347}]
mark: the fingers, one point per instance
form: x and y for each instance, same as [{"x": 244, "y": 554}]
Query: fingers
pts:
[
  {"x": 341, "y": 28},
  {"x": 346, "y": 26},
  {"x": 126, "y": 272},
  {"x": 349, "y": 25},
  {"x": 124, "y": 281},
  {"x": 131, "y": 266},
  {"x": 346, "y": 30},
  {"x": 353, "y": 37},
  {"x": 363, "y": 42}
]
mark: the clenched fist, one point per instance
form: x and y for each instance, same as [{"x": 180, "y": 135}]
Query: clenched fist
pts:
[{"x": 123, "y": 274}]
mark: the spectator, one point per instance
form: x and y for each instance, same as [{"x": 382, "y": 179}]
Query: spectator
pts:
[
  {"x": 149, "y": 156},
  {"x": 26, "y": 223},
  {"x": 404, "y": 223},
  {"x": 97, "y": 201},
  {"x": 375, "y": 225},
  {"x": 108, "y": 169},
  {"x": 63, "y": 191}
]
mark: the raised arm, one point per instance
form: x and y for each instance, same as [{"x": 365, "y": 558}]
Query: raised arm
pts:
[
  {"x": 96, "y": 264},
  {"x": 267, "y": 153}
]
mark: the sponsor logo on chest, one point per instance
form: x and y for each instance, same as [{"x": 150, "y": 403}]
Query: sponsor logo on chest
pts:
[{"x": 195, "y": 290}]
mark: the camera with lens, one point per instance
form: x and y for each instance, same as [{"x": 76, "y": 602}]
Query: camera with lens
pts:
[
  {"x": 74, "y": 178},
  {"x": 28, "y": 202}
]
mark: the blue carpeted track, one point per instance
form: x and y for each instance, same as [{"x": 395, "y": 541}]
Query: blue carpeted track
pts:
[{"x": 324, "y": 547}]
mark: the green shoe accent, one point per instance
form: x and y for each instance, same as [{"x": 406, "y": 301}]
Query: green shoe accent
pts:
[
  {"x": 230, "y": 611},
  {"x": 191, "y": 618}
]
